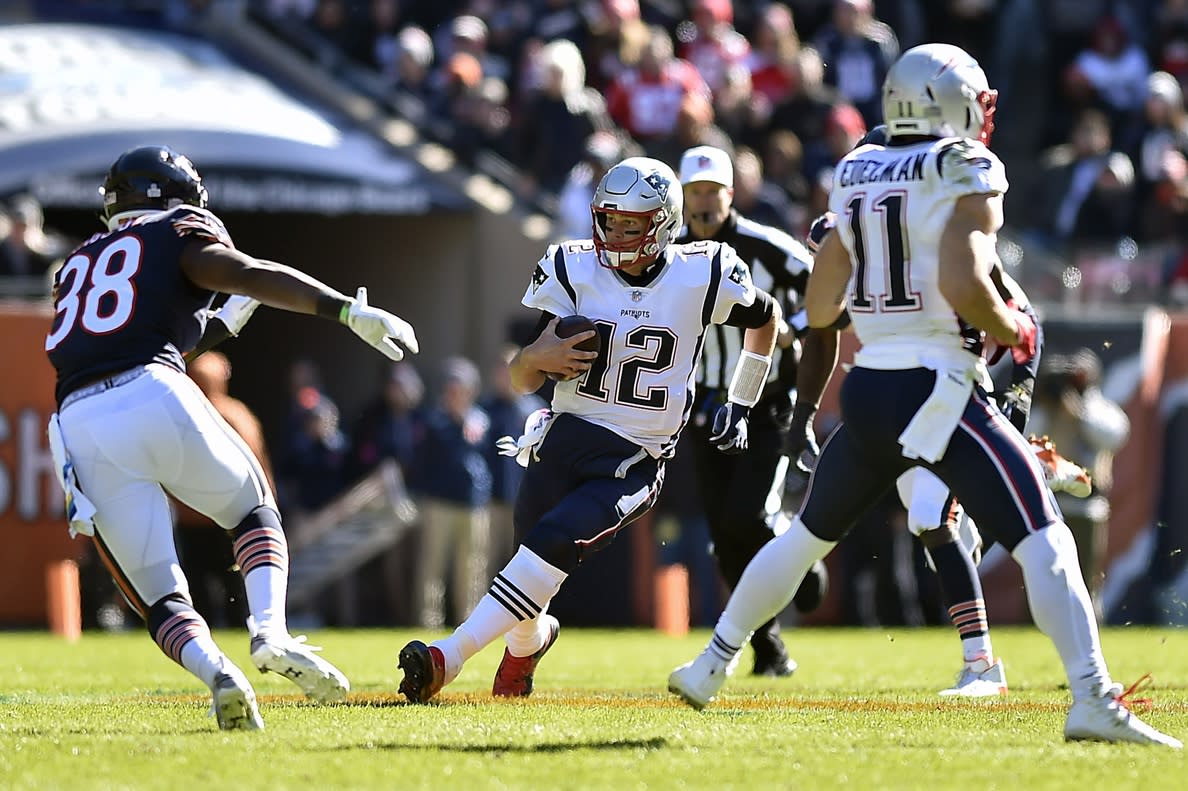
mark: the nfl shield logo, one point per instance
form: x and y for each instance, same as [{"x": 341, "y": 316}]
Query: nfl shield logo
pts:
[
  {"x": 703, "y": 162},
  {"x": 636, "y": 295}
]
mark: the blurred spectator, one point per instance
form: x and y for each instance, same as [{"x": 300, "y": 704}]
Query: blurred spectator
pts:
[
  {"x": 414, "y": 59},
  {"x": 27, "y": 252},
  {"x": 857, "y": 50},
  {"x": 711, "y": 43},
  {"x": 738, "y": 111},
  {"x": 468, "y": 35},
  {"x": 647, "y": 100},
  {"x": 378, "y": 41},
  {"x": 391, "y": 424},
  {"x": 844, "y": 127},
  {"x": 559, "y": 19},
  {"x": 1170, "y": 39},
  {"x": 216, "y": 587},
  {"x": 559, "y": 119},
  {"x": 305, "y": 390},
  {"x": 754, "y": 197},
  {"x": 313, "y": 470},
  {"x": 452, "y": 481},
  {"x": 1085, "y": 190},
  {"x": 805, "y": 111},
  {"x": 1111, "y": 75},
  {"x": 1087, "y": 428},
  {"x": 1163, "y": 161},
  {"x": 783, "y": 162},
  {"x": 694, "y": 127},
  {"x": 507, "y": 411},
  {"x": 332, "y": 21},
  {"x": 481, "y": 120},
  {"x": 602, "y": 150},
  {"x": 968, "y": 24},
  {"x": 772, "y": 60},
  {"x": 616, "y": 38}
]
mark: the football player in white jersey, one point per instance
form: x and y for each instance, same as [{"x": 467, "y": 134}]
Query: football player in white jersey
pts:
[
  {"x": 596, "y": 461},
  {"x": 912, "y": 257}
]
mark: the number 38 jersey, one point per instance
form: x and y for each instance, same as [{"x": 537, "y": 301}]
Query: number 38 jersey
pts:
[
  {"x": 640, "y": 387},
  {"x": 123, "y": 301},
  {"x": 892, "y": 204}
]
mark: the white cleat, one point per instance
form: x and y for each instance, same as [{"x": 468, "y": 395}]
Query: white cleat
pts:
[
  {"x": 698, "y": 682},
  {"x": 981, "y": 678},
  {"x": 296, "y": 661},
  {"x": 234, "y": 701},
  {"x": 1105, "y": 718}
]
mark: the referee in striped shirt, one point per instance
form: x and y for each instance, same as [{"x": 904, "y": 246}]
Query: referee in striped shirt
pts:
[{"x": 735, "y": 489}]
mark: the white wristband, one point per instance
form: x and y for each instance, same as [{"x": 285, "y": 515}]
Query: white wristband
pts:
[{"x": 750, "y": 374}]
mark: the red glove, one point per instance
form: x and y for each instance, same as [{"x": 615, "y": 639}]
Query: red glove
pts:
[{"x": 1023, "y": 351}]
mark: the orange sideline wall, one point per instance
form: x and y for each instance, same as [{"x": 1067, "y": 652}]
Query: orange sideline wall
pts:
[{"x": 32, "y": 522}]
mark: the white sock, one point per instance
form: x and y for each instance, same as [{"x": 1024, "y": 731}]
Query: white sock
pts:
[
  {"x": 767, "y": 585},
  {"x": 527, "y": 637},
  {"x": 520, "y": 592},
  {"x": 974, "y": 647},
  {"x": 1061, "y": 606},
  {"x": 203, "y": 658},
  {"x": 262, "y": 554}
]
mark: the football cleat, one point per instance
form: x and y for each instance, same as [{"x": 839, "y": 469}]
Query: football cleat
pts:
[
  {"x": 513, "y": 679},
  {"x": 1105, "y": 718},
  {"x": 981, "y": 678},
  {"x": 290, "y": 657},
  {"x": 1061, "y": 474},
  {"x": 234, "y": 701},
  {"x": 698, "y": 682},
  {"x": 424, "y": 671},
  {"x": 813, "y": 588}
]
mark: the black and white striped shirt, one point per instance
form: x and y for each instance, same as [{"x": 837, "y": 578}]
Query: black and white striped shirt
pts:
[{"x": 779, "y": 265}]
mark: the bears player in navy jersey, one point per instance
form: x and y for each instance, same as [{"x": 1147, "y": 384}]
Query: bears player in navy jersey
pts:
[
  {"x": 596, "y": 460},
  {"x": 909, "y": 260},
  {"x": 129, "y": 303}
]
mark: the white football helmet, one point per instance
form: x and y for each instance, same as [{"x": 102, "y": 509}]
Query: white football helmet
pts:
[
  {"x": 938, "y": 90},
  {"x": 646, "y": 188}
]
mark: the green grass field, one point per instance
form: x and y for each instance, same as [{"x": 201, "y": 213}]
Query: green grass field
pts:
[{"x": 111, "y": 712}]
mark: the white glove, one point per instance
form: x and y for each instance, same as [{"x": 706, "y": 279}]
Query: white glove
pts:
[
  {"x": 235, "y": 312},
  {"x": 379, "y": 327}
]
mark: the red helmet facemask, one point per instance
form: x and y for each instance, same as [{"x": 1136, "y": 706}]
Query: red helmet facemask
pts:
[
  {"x": 989, "y": 101},
  {"x": 645, "y": 246}
]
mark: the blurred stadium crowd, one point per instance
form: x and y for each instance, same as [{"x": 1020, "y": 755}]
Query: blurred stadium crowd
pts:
[{"x": 545, "y": 94}]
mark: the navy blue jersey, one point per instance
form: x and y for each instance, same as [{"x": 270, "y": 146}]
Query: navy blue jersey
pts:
[{"x": 123, "y": 301}]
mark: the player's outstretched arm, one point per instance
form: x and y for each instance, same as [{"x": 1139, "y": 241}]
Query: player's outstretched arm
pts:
[{"x": 216, "y": 267}]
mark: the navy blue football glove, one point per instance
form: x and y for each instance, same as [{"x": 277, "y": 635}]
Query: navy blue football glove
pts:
[
  {"x": 801, "y": 444},
  {"x": 730, "y": 428}
]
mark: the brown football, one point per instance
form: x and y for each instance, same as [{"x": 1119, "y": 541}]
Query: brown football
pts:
[{"x": 568, "y": 326}]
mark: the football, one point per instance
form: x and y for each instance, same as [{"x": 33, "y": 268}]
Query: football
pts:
[{"x": 567, "y": 327}]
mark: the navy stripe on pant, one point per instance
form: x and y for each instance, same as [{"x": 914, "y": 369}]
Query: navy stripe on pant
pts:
[
  {"x": 571, "y": 503},
  {"x": 987, "y": 465}
]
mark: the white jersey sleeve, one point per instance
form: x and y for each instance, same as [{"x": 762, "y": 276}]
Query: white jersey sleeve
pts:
[
  {"x": 735, "y": 287},
  {"x": 967, "y": 167},
  {"x": 550, "y": 289}
]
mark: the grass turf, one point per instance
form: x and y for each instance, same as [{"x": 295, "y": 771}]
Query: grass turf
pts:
[{"x": 111, "y": 712}]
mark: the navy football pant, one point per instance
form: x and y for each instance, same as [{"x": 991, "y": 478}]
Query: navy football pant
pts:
[
  {"x": 987, "y": 465},
  {"x": 588, "y": 485}
]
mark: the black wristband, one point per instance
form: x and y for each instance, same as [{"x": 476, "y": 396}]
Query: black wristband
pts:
[
  {"x": 803, "y": 413},
  {"x": 331, "y": 307}
]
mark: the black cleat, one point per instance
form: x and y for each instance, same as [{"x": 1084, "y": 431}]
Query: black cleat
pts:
[
  {"x": 424, "y": 671},
  {"x": 813, "y": 588}
]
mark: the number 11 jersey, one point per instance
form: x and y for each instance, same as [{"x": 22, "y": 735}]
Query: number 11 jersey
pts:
[{"x": 892, "y": 204}]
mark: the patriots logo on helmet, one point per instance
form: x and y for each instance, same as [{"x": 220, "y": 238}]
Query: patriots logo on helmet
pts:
[
  {"x": 539, "y": 277},
  {"x": 658, "y": 183}
]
